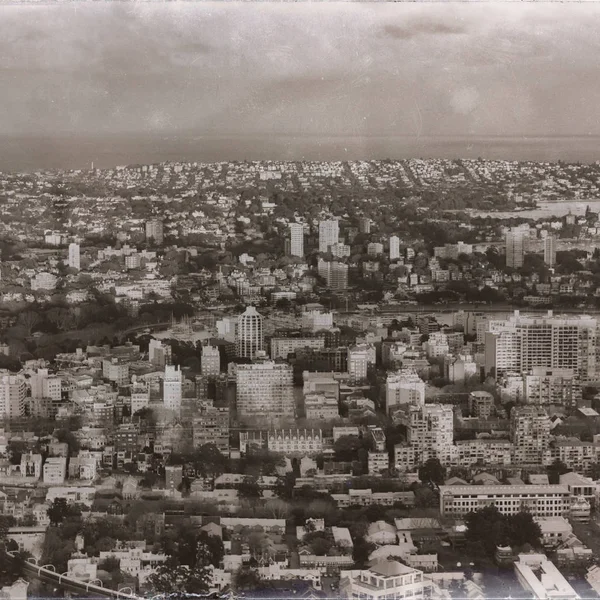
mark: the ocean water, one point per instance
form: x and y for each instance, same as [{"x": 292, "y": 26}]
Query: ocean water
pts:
[
  {"x": 31, "y": 153},
  {"x": 544, "y": 210}
]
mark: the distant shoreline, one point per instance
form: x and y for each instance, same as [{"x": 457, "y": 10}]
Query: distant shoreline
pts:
[{"x": 30, "y": 153}]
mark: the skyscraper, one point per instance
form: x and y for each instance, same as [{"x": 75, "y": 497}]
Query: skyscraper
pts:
[
  {"x": 516, "y": 246},
  {"x": 249, "y": 333},
  {"x": 265, "y": 389},
  {"x": 296, "y": 239},
  {"x": 394, "y": 247},
  {"x": 329, "y": 233},
  {"x": 550, "y": 250},
  {"x": 172, "y": 388},
  {"x": 74, "y": 260},
  {"x": 154, "y": 231}
]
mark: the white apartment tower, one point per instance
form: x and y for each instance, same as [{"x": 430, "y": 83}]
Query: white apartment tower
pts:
[
  {"x": 431, "y": 431},
  {"x": 13, "y": 390},
  {"x": 359, "y": 359},
  {"x": 265, "y": 390},
  {"x": 172, "y": 388},
  {"x": 211, "y": 361},
  {"x": 159, "y": 354},
  {"x": 155, "y": 231},
  {"x": 329, "y": 233},
  {"x": 249, "y": 333},
  {"x": 335, "y": 274},
  {"x": 522, "y": 343},
  {"x": 296, "y": 239},
  {"x": 44, "y": 385},
  {"x": 529, "y": 434},
  {"x": 550, "y": 250},
  {"x": 74, "y": 256},
  {"x": 402, "y": 388},
  {"x": 394, "y": 247}
]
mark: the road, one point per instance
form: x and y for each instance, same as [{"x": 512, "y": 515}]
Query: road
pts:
[{"x": 88, "y": 590}]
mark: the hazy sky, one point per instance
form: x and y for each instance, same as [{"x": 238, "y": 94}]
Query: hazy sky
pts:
[{"x": 301, "y": 68}]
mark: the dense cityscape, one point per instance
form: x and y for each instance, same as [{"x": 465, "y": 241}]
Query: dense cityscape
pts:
[{"x": 269, "y": 379}]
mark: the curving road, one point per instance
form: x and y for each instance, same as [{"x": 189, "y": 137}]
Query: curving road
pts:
[{"x": 91, "y": 590}]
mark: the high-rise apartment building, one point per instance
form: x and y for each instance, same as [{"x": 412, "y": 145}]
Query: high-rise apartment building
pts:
[
  {"x": 551, "y": 386},
  {"x": 211, "y": 426},
  {"x": 281, "y": 347},
  {"x": 13, "y": 390},
  {"x": 172, "y": 388},
  {"x": 522, "y": 343},
  {"x": 550, "y": 250},
  {"x": 329, "y": 233},
  {"x": 140, "y": 396},
  {"x": 394, "y": 247},
  {"x": 155, "y": 231},
  {"x": 249, "y": 333},
  {"x": 517, "y": 239},
  {"x": 360, "y": 357},
  {"x": 74, "y": 256},
  {"x": 116, "y": 370},
  {"x": 296, "y": 239},
  {"x": 431, "y": 432},
  {"x": 159, "y": 354},
  {"x": 529, "y": 434},
  {"x": 402, "y": 388},
  {"x": 335, "y": 274},
  {"x": 265, "y": 390},
  {"x": 211, "y": 361},
  {"x": 44, "y": 385}
]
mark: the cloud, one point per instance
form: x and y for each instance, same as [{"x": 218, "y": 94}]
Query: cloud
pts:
[{"x": 415, "y": 29}]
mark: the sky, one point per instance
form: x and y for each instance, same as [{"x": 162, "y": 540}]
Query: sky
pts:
[{"x": 316, "y": 70}]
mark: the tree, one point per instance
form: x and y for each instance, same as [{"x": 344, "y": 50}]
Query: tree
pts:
[
  {"x": 346, "y": 447},
  {"x": 432, "y": 471},
  {"x": 29, "y": 319},
  {"x": 425, "y": 497},
  {"x": 249, "y": 488},
  {"x": 522, "y": 530},
  {"x": 247, "y": 579},
  {"x": 6, "y": 522},
  {"x": 488, "y": 528},
  {"x": 60, "y": 509},
  {"x": 188, "y": 547},
  {"x": 555, "y": 470},
  {"x": 13, "y": 568},
  {"x": 179, "y": 581},
  {"x": 67, "y": 437},
  {"x": 361, "y": 552},
  {"x": 61, "y": 318}
]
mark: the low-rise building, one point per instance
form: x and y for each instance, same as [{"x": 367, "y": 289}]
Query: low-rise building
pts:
[
  {"x": 542, "y": 579},
  {"x": 385, "y": 579},
  {"x": 539, "y": 500}
]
